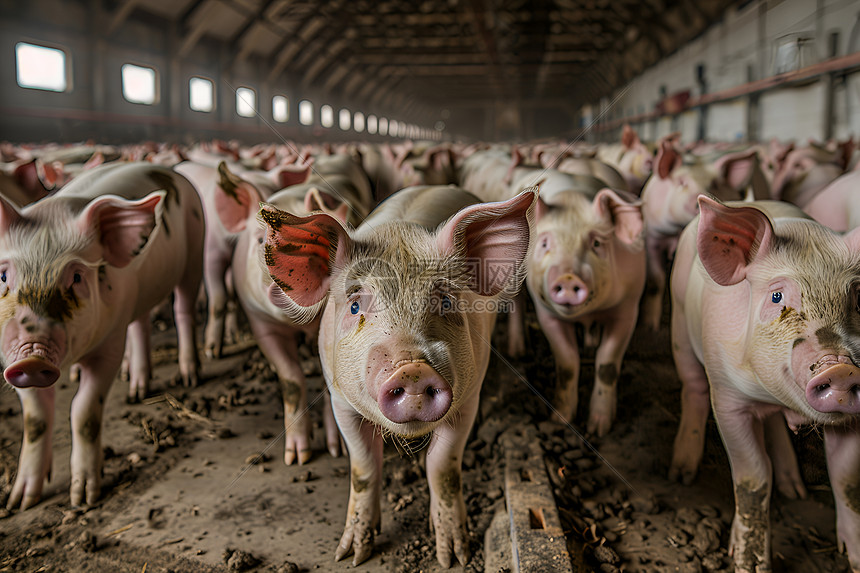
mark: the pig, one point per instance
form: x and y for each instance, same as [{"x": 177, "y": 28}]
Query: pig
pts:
[
  {"x": 765, "y": 326},
  {"x": 838, "y": 205},
  {"x": 404, "y": 339},
  {"x": 669, "y": 204},
  {"x": 277, "y": 335},
  {"x": 808, "y": 170},
  {"x": 79, "y": 269},
  {"x": 587, "y": 268}
]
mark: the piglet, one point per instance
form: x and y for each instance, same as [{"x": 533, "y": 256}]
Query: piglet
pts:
[
  {"x": 410, "y": 302},
  {"x": 766, "y": 326},
  {"x": 588, "y": 268},
  {"x": 79, "y": 269}
]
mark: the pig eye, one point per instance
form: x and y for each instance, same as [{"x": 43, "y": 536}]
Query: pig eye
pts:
[
  {"x": 3, "y": 276},
  {"x": 76, "y": 278},
  {"x": 776, "y": 297},
  {"x": 596, "y": 243},
  {"x": 354, "y": 307},
  {"x": 446, "y": 304}
]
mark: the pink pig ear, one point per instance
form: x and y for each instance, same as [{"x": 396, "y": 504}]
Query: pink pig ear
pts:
[
  {"x": 124, "y": 227},
  {"x": 625, "y": 212},
  {"x": 316, "y": 200},
  {"x": 9, "y": 215},
  {"x": 494, "y": 239},
  {"x": 730, "y": 238},
  {"x": 668, "y": 158},
  {"x": 737, "y": 168},
  {"x": 235, "y": 200},
  {"x": 300, "y": 254}
]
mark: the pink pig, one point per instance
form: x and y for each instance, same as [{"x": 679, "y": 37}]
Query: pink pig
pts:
[
  {"x": 79, "y": 269},
  {"x": 766, "y": 326},
  {"x": 405, "y": 335},
  {"x": 277, "y": 335},
  {"x": 588, "y": 268},
  {"x": 669, "y": 204}
]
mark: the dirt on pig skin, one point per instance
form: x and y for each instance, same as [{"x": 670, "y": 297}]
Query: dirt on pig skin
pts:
[{"x": 194, "y": 479}]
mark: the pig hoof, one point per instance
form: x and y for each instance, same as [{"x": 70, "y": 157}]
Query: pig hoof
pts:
[{"x": 349, "y": 543}]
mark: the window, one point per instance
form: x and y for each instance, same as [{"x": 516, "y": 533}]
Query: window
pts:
[
  {"x": 40, "y": 67},
  {"x": 139, "y": 84},
  {"x": 372, "y": 124},
  {"x": 306, "y": 112},
  {"x": 383, "y": 126},
  {"x": 201, "y": 94},
  {"x": 326, "y": 116},
  {"x": 280, "y": 109},
  {"x": 392, "y": 128},
  {"x": 246, "y": 102},
  {"x": 358, "y": 122},
  {"x": 344, "y": 119}
]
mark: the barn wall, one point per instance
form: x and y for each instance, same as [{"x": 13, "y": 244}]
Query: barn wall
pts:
[{"x": 742, "y": 48}]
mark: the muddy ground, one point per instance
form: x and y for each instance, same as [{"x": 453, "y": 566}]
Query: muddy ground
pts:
[{"x": 194, "y": 480}]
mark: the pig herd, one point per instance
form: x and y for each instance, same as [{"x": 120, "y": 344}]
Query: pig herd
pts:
[{"x": 397, "y": 259}]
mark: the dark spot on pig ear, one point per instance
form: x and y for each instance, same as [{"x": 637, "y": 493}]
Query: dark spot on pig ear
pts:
[
  {"x": 34, "y": 428},
  {"x": 165, "y": 182}
]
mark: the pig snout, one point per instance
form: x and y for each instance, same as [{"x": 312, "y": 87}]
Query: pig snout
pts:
[
  {"x": 837, "y": 389},
  {"x": 32, "y": 371},
  {"x": 568, "y": 289},
  {"x": 415, "y": 393}
]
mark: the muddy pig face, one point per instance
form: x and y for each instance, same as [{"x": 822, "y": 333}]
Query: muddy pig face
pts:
[
  {"x": 405, "y": 335},
  {"x": 54, "y": 281},
  {"x": 804, "y": 306},
  {"x": 575, "y": 258}
]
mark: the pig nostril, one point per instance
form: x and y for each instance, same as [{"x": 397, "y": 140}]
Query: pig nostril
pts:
[
  {"x": 431, "y": 391},
  {"x": 397, "y": 391},
  {"x": 822, "y": 387}
]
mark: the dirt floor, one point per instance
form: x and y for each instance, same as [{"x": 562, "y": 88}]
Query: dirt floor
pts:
[{"x": 194, "y": 480}]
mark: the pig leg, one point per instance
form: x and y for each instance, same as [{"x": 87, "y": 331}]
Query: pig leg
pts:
[
  {"x": 363, "y": 516},
  {"x": 444, "y": 463},
  {"x": 743, "y": 435},
  {"x": 34, "y": 463},
  {"x": 516, "y": 327},
  {"x": 842, "y": 446},
  {"x": 139, "y": 358},
  {"x": 278, "y": 343},
  {"x": 655, "y": 286},
  {"x": 97, "y": 374},
  {"x": 786, "y": 472},
  {"x": 184, "y": 299},
  {"x": 610, "y": 353},
  {"x": 332, "y": 433},
  {"x": 695, "y": 405},
  {"x": 215, "y": 269},
  {"x": 565, "y": 350},
  {"x": 231, "y": 315}
]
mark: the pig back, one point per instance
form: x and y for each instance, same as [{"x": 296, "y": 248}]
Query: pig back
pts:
[{"x": 427, "y": 206}]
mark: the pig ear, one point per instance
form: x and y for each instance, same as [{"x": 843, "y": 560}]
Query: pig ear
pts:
[
  {"x": 668, "y": 158},
  {"x": 9, "y": 215},
  {"x": 516, "y": 159},
  {"x": 235, "y": 200},
  {"x": 316, "y": 200},
  {"x": 737, "y": 168},
  {"x": 123, "y": 227},
  {"x": 730, "y": 238},
  {"x": 294, "y": 173},
  {"x": 625, "y": 212},
  {"x": 494, "y": 239},
  {"x": 300, "y": 255},
  {"x": 629, "y": 138}
]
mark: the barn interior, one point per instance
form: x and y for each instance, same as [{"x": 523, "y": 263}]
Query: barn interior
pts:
[{"x": 193, "y": 476}]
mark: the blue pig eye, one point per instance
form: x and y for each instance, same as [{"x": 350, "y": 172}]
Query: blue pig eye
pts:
[
  {"x": 776, "y": 297},
  {"x": 354, "y": 308},
  {"x": 447, "y": 304},
  {"x": 3, "y": 276}
]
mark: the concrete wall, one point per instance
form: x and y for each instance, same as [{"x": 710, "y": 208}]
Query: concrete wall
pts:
[{"x": 742, "y": 48}]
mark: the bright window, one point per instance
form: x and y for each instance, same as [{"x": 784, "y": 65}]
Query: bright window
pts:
[
  {"x": 358, "y": 121},
  {"x": 139, "y": 84},
  {"x": 326, "y": 116},
  {"x": 344, "y": 119},
  {"x": 246, "y": 102},
  {"x": 280, "y": 109},
  {"x": 40, "y": 67},
  {"x": 372, "y": 124},
  {"x": 306, "y": 112},
  {"x": 201, "y": 94},
  {"x": 383, "y": 126},
  {"x": 392, "y": 128}
]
